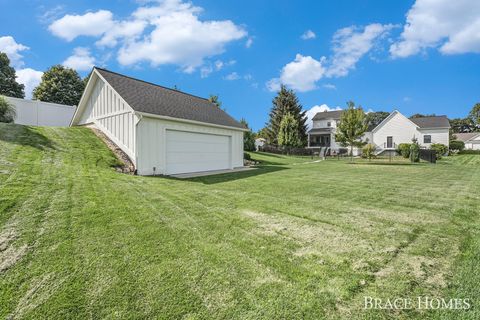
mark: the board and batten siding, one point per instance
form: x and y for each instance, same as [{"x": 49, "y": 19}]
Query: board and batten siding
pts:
[
  {"x": 111, "y": 114},
  {"x": 400, "y": 128},
  {"x": 151, "y": 139}
]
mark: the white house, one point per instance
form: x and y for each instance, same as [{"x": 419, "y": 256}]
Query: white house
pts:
[
  {"x": 386, "y": 136},
  {"x": 39, "y": 113},
  {"x": 471, "y": 140},
  {"x": 163, "y": 131}
]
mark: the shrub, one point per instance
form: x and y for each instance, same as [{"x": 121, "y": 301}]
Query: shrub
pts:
[
  {"x": 469, "y": 152},
  {"x": 414, "y": 151},
  {"x": 404, "y": 150},
  {"x": 457, "y": 145},
  {"x": 368, "y": 151},
  {"x": 7, "y": 111},
  {"x": 247, "y": 156},
  {"x": 440, "y": 149}
]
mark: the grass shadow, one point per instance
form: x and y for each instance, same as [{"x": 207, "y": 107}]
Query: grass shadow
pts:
[
  {"x": 25, "y": 136},
  {"x": 227, "y": 177}
]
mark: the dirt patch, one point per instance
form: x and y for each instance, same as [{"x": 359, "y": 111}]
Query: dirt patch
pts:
[
  {"x": 128, "y": 166},
  {"x": 10, "y": 256}
]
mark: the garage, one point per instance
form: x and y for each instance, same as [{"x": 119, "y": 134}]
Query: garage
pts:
[
  {"x": 194, "y": 152},
  {"x": 163, "y": 131}
]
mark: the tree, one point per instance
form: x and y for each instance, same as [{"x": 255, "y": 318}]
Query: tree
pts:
[
  {"x": 474, "y": 116},
  {"x": 286, "y": 102},
  {"x": 288, "y": 132},
  {"x": 8, "y": 83},
  {"x": 351, "y": 127},
  {"x": 60, "y": 85},
  {"x": 374, "y": 118},
  {"x": 248, "y": 137},
  {"x": 419, "y": 115},
  {"x": 214, "y": 99},
  {"x": 459, "y": 125},
  {"x": 7, "y": 111}
]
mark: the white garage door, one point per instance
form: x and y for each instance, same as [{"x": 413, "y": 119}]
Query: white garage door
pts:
[{"x": 193, "y": 152}]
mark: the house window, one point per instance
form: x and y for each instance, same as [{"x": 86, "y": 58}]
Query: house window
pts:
[
  {"x": 329, "y": 124},
  {"x": 427, "y": 139}
]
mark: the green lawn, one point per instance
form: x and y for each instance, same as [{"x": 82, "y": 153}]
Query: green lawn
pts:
[{"x": 291, "y": 239}]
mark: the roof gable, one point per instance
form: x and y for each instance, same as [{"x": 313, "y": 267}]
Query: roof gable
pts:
[
  {"x": 390, "y": 116},
  {"x": 153, "y": 99}
]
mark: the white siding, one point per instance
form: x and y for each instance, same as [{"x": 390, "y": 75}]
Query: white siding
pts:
[
  {"x": 437, "y": 135},
  {"x": 399, "y": 127},
  {"x": 38, "y": 113},
  {"x": 112, "y": 115},
  {"x": 324, "y": 123},
  {"x": 151, "y": 139},
  {"x": 473, "y": 144}
]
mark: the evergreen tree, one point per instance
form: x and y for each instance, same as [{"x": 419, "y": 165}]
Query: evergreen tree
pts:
[
  {"x": 286, "y": 102},
  {"x": 60, "y": 85},
  {"x": 8, "y": 79},
  {"x": 351, "y": 127},
  {"x": 248, "y": 137},
  {"x": 288, "y": 132}
]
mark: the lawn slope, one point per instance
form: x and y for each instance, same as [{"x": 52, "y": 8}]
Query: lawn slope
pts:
[{"x": 291, "y": 239}]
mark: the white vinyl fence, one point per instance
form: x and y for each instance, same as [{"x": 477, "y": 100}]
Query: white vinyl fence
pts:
[{"x": 38, "y": 113}]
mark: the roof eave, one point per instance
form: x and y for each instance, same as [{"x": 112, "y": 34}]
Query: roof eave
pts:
[{"x": 156, "y": 116}]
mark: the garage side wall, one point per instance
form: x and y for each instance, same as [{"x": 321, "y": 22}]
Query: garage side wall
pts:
[
  {"x": 107, "y": 110},
  {"x": 151, "y": 143}
]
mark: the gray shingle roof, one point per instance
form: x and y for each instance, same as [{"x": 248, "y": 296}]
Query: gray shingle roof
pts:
[
  {"x": 328, "y": 115},
  {"x": 320, "y": 130},
  {"x": 150, "y": 98},
  {"x": 466, "y": 136},
  {"x": 432, "y": 122}
]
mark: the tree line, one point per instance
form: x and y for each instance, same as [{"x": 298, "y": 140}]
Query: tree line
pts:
[{"x": 59, "y": 84}]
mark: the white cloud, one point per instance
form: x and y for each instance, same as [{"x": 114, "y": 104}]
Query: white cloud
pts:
[
  {"x": 249, "y": 42},
  {"x": 122, "y": 30},
  {"x": 232, "y": 76},
  {"x": 9, "y": 46},
  {"x": 90, "y": 24},
  {"x": 329, "y": 86},
  {"x": 159, "y": 32},
  {"x": 300, "y": 74},
  {"x": 30, "y": 78},
  {"x": 316, "y": 109},
  {"x": 81, "y": 60},
  {"x": 350, "y": 44},
  {"x": 179, "y": 37},
  {"x": 451, "y": 26},
  {"x": 309, "y": 34}
]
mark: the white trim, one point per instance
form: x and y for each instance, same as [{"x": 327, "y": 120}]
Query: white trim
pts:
[
  {"x": 151, "y": 115},
  {"x": 89, "y": 89},
  {"x": 113, "y": 114}
]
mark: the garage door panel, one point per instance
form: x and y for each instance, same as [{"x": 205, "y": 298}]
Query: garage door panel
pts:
[{"x": 191, "y": 152}]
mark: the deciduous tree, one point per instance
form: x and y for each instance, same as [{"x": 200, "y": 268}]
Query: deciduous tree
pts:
[
  {"x": 8, "y": 79},
  {"x": 248, "y": 137},
  {"x": 7, "y": 111},
  {"x": 60, "y": 85},
  {"x": 288, "y": 132},
  {"x": 351, "y": 127}
]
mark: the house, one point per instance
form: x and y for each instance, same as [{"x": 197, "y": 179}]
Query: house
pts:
[
  {"x": 39, "y": 113},
  {"x": 386, "y": 136},
  {"x": 260, "y": 142},
  {"x": 471, "y": 140},
  {"x": 163, "y": 131}
]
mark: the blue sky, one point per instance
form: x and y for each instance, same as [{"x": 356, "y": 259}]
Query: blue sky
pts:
[{"x": 415, "y": 56}]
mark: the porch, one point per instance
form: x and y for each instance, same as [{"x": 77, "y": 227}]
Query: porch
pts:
[{"x": 318, "y": 138}]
